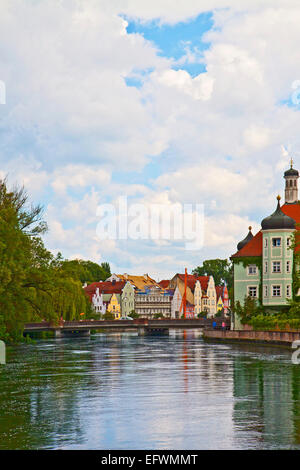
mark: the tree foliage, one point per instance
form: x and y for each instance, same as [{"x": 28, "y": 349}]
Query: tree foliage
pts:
[
  {"x": 220, "y": 269},
  {"x": 35, "y": 285},
  {"x": 86, "y": 271}
]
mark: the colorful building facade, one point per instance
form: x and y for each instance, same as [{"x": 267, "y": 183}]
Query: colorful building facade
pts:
[{"x": 263, "y": 264}]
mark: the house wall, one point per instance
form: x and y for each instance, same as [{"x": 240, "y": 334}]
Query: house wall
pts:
[
  {"x": 211, "y": 306},
  {"x": 127, "y": 299},
  {"x": 198, "y": 298},
  {"x": 243, "y": 280},
  {"x": 284, "y": 278},
  {"x": 176, "y": 303}
]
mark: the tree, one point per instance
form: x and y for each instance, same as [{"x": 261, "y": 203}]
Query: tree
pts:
[
  {"x": 106, "y": 268},
  {"x": 220, "y": 269},
  {"x": 86, "y": 271}
]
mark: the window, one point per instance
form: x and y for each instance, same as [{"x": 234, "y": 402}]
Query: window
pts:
[
  {"x": 266, "y": 242},
  {"x": 288, "y": 266},
  {"x": 276, "y": 241},
  {"x": 266, "y": 291},
  {"x": 252, "y": 291},
  {"x": 288, "y": 290},
  {"x": 276, "y": 291},
  {"x": 266, "y": 267},
  {"x": 288, "y": 242},
  {"x": 252, "y": 269},
  {"x": 276, "y": 266}
]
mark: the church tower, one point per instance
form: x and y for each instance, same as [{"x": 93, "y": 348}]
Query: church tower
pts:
[{"x": 291, "y": 185}]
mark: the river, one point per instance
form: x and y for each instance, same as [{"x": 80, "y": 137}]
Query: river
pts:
[{"x": 121, "y": 391}]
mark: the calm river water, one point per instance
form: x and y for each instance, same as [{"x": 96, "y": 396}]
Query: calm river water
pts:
[{"x": 121, "y": 391}]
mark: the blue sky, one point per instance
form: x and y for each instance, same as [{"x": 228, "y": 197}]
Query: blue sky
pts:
[
  {"x": 172, "y": 41},
  {"x": 193, "y": 104}
]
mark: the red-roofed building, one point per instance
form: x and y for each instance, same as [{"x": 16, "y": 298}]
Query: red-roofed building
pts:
[
  {"x": 164, "y": 283},
  {"x": 115, "y": 297},
  {"x": 263, "y": 264}
]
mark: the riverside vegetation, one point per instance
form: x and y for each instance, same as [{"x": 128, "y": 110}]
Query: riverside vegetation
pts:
[{"x": 35, "y": 285}]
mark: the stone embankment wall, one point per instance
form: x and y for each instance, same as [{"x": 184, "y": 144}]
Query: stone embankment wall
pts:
[{"x": 284, "y": 338}]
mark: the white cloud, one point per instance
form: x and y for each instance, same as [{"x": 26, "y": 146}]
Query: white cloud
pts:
[
  {"x": 71, "y": 123},
  {"x": 199, "y": 88}
]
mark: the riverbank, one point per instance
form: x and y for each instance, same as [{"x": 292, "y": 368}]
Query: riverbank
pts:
[{"x": 281, "y": 338}]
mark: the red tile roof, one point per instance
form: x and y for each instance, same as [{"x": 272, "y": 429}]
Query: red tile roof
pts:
[
  {"x": 105, "y": 287},
  {"x": 164, "y": 283},
  {"x": 191, "y": 281},
  {"x": 292, "y": 210},
  {"x": 219, "y": 292},
  {"x": 252, "y": 248}
]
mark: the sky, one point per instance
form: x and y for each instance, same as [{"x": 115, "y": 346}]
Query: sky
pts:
[{"x": 190, "y": 102}]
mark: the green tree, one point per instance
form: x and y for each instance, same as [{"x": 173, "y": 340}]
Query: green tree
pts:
[
  {"x": 85, "y": 271},
  {"x": 220, "y": 269}
]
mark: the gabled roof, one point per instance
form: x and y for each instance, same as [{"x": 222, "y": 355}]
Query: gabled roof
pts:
[
  {"x": 219, "y": 292},
  {"x": 105, "y": 287},
  {"x": 164, "y": 283},
  {"x": 140, "y": 282},
  {"x": 191, "y": 281}
]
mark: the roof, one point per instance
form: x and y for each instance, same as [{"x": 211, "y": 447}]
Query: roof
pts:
[
  {"x": 105, "y": 287},
  {"x": 291, "y": 172},
  {"x": 191, "y": 281},
  {"x": 278, "y": 220},
  {"x": 164, "y": 283},
  {"x": 292, "y": 210},
  {"x": 245, "y": 240},
  {"x": 140, "y": 282},
  {"x": 254, "y": 246},
  {"x": 219, "y": 292}
]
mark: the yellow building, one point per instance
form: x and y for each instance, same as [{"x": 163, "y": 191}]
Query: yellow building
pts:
[
  {"x": 220, "y": 304},
  {"x": 114, "y": 307}
]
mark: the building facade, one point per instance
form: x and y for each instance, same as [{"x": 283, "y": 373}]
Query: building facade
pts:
[
  {"x": 127, "y": 299},
  {"x": 200, "y": 292},
  {"x": 153, "y": 301},
  {"x": 116, "y": 297}
]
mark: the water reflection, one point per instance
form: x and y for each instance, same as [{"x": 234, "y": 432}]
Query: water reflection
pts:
[
  {"x": 267, "y": 405},
  {"x": 124, "y": 391}
]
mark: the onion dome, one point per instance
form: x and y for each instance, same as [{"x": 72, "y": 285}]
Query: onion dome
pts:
[
  {"x": 244, "y": 242},
  {"x": 278, "y": 220},
  {"x": 291, "y": 172}
]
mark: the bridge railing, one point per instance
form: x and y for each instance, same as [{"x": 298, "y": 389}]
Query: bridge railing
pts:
[{"x": 98, "y": 324}]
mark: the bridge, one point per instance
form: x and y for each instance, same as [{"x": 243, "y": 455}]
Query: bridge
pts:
[{"x": 144, "y": 326}]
